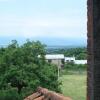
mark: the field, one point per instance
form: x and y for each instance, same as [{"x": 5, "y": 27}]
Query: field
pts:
[{"x": 74, "y": 86}]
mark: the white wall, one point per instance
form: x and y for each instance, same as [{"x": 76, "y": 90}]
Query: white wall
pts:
[{"x": 80, "y": 62}]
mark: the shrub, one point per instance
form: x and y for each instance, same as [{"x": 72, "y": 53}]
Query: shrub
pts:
[{"x": 10, "y": 95}]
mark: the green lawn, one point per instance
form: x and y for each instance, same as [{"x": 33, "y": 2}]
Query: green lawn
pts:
[{"x": 74, "y": 86}]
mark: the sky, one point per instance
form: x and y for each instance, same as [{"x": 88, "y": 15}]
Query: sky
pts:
[{"x": 53, "y": 22}]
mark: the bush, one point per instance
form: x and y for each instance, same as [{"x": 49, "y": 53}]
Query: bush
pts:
[
  {"x": 75, "y": 66},
  {"x": 71, "y": 68},
  {"x": 10, "y": 95}
]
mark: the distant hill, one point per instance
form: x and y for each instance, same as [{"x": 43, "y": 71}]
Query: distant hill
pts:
[{"x": 63, "y": 47}]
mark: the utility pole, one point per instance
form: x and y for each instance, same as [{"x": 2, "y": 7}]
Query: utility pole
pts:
[{"x": 58, "y": 69}]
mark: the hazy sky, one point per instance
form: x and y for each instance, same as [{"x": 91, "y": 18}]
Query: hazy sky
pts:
[{"x": 51, "y": 21}]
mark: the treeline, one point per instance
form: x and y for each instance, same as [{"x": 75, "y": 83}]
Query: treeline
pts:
[
  {"x": 79, "y": 53},
  {"x": 22, "y": 71}
]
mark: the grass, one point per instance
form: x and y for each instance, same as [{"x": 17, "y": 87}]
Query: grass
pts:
[{"x": 74, "y": 85}]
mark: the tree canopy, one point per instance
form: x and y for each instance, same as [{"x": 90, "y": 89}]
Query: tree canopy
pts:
[
  {"x": 78, "y": 52},
  {"x": 21, "y": 68}
]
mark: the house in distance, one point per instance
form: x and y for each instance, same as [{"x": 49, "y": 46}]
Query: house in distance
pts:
[
  {"x": 57, "y": 59},
  {"x": 60, "y": 59}
]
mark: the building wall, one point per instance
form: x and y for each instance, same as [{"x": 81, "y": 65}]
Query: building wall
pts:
[
  {"x": 73, "y": 60},
  {"x": 69, "y": 59},
  {"x": 57, "y": 62},
  {"x": 80, "y": 62}
]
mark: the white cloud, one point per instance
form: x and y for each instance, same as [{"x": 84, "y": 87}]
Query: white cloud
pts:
[{"x": 33, "y": 27}]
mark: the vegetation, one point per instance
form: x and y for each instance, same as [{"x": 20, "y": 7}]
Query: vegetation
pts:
[
  {"x": 74, "y": 86},
  {"x": 79, "y": 53},
  {"x": 22, "y": 71},
  {"x": 73, "y": 79},
  {"x": 71, "y": 68}
]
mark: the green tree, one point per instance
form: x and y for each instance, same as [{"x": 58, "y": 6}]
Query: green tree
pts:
[{"x": 21, "y": 67}]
